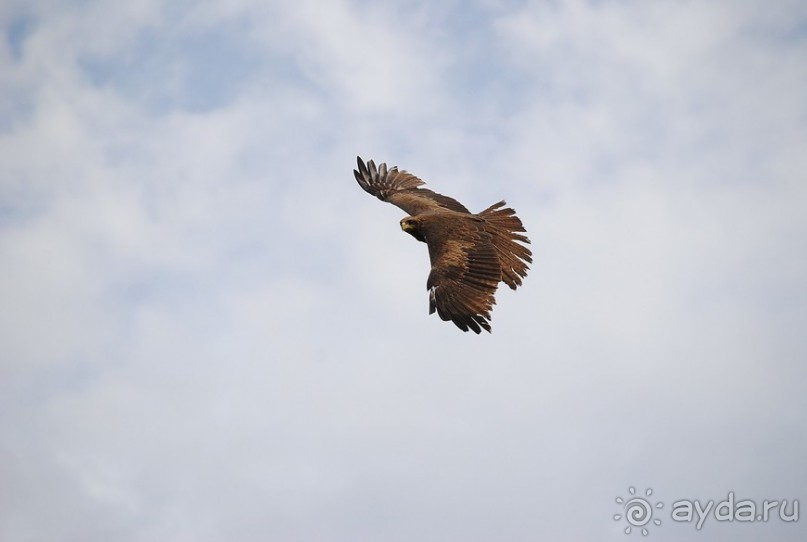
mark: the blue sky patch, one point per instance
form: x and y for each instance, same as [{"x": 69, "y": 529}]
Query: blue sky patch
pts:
[{"x": 197, "y": 72}]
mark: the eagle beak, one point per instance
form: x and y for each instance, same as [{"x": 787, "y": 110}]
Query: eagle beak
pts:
[{"x": 406, "y": 226}]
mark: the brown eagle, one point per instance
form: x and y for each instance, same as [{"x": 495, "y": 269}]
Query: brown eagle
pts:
[{"x": 469, "y": 253}]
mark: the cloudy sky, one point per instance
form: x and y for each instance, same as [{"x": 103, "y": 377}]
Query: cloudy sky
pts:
[{"x": 210, "y": 332}]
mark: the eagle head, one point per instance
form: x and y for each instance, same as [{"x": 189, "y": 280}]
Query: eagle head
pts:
[{"x": 411, "y": 225}]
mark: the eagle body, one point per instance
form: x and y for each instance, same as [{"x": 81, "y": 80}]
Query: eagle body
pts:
[{"x": 470, "y": 253}]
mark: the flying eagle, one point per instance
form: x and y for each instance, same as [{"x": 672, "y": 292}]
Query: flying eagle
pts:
[{"x": 469, "y": 253}]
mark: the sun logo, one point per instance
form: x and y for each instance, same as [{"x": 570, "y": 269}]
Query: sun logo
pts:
[{"x": 638, "y": 511}]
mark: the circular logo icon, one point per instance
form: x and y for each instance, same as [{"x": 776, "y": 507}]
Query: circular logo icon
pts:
[{"x": 638, "y": 511}]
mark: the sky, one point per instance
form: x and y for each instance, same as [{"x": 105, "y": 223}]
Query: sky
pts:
[{"x": 210, "y": 332}]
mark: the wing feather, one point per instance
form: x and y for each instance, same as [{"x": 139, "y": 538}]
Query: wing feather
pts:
[
  {"x": 506, "y": 231},
  {"x": 402, "y": 189},
  {"x": 465, "y": 273}
]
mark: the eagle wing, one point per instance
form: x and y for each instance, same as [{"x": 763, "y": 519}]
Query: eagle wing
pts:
[
  {"x": 402, "y": 189},
  {"x": 465, "y": 273}
]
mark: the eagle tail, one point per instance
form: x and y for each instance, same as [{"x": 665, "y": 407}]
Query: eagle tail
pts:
[{"x": 506, "y": 230}]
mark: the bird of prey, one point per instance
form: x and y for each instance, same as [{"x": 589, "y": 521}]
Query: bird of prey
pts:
[{"x": 470, "y": 253}]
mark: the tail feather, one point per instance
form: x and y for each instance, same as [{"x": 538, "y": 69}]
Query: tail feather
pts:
[{"x": 503, "y": 225}]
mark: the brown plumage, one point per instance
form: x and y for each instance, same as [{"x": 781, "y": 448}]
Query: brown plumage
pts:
[{"x": 469, "y": 253}]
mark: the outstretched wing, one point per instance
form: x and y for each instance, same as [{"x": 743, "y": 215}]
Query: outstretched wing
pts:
[
  {"x": 507, "y": 231},
  {"x": 401, "y": 188},
  {"x": 465, "y": 273}
]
